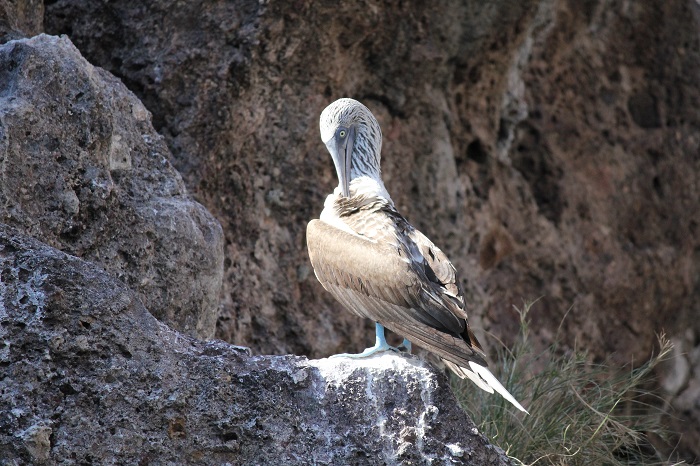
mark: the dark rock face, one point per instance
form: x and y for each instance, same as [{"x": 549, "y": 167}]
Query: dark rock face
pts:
[
  {"x": 89, "y": 376},
  {"x": 84, "y": 171},
  {"x": 550, "y": 148},
  {"x": 542, "y": 144},
  {"x": 20, "y": 19}
]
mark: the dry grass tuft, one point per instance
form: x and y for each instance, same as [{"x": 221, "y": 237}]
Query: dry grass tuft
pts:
[{"x": 580, "y": 413}]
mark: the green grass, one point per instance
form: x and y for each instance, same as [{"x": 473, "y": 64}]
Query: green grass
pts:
[{"x": 580, "y": 413}]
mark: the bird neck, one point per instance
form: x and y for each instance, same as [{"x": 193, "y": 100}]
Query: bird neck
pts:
[
  {"x": 368, "y": 186},
  {"x": 366, "y": 157}
]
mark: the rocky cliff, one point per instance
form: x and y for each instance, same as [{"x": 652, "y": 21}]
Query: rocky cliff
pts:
[
  {"x": 549, "y": 147},
  {"x": 90, "y": 376}
]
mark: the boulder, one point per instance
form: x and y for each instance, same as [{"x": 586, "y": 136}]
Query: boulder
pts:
[
  {"x": 547, "y": 146},
  {"x": 84, "y": 171},
  {"x": 89, "y": 376}
]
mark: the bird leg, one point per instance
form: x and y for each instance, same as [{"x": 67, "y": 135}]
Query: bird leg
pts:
[
  {"x": 380, "y": 345},
  {"x": 405, "y": 347}
]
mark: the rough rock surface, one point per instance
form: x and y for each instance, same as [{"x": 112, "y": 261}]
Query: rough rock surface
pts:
[
  {"x": 90, "y": 377},
  {"x": 20, "y": 19},
  {"x": 550, "y": 147},
  {"x": 83, "y": 170}
]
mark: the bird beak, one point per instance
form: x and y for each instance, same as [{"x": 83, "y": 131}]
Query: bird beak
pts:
[{"x": 341, "y": 152}]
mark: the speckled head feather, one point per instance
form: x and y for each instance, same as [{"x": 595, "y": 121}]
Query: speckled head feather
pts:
[{"x": 367, "y": 147}]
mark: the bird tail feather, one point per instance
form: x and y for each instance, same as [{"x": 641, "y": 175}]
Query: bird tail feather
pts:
[
  {"x": 485, "y": 380},
  {"x": 463, "y": 372}
]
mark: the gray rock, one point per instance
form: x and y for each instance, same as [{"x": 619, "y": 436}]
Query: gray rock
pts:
[
  {"x": 84, "y": 171},
  {"x": 90, "y": 377},
  {"x": 36, "y": 441},
  {"x": 19, "y": 19}
]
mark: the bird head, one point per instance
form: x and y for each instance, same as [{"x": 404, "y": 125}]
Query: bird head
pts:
[{"x": 354, "y": 139}]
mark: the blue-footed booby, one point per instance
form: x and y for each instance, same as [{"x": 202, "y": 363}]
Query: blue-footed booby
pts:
[{"x": 367, "y": 255}]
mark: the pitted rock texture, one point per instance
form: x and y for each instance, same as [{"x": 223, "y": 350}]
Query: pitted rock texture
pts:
[
  {"x": 90, "y": 377},
  {"x": 549, "y": 147},
  {"x": 83, "y": 170},
  {"x": 546, "y": 146},
  {"x": 19, "y": 19}
]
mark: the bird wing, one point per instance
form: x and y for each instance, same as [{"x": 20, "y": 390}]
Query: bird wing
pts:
[
  {"x": 383, "y": 274},
  {"x": 439, "y": 269}
]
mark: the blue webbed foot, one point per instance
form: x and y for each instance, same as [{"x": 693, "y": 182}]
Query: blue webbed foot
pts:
[{"x": 380, "y": 346}]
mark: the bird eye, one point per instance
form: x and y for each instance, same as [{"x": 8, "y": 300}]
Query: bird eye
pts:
[{"x": 342, "y": 133}]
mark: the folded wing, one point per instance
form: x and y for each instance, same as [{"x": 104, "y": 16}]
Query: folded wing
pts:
[{"x": 383, "y": 281}]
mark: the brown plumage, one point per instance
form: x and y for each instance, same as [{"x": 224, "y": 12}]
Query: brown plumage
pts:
[{"x": 367, "y": 255}]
